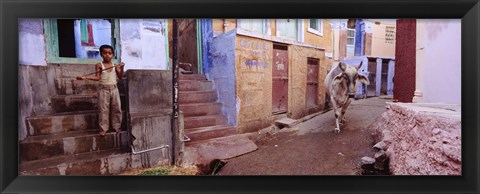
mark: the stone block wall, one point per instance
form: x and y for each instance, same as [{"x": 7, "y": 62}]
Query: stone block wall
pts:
[{"x": 421, "y": 139}]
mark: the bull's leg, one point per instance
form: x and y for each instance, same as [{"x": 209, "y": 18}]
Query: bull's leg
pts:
[
  {"x": 337, "y": 112},
  {"x": 344, "y": 109}
]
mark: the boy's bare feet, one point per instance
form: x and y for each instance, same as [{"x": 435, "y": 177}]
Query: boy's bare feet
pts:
[{"x": 102, "y": 133}]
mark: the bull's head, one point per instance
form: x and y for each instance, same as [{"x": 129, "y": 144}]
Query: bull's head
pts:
[{"x": 349, "y": 78}]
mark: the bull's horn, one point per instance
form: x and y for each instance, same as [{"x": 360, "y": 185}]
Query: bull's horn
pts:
[
  {"x": 360, "y": 66},
  {"x": 342, "y": 66}
]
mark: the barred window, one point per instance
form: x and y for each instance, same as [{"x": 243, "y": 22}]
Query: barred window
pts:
[{"x": 389, "y": 34}]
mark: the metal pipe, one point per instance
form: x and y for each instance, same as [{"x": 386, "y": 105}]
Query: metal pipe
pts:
[
  {"x": 175, "y": 109},
  {"x": 199, "y": 47},
  {"x": 148, "y": 150}
]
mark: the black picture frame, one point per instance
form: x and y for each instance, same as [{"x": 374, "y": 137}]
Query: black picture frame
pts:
[{"x": 11, "y": 11}]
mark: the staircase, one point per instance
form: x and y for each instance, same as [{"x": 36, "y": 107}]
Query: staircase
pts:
[
  {"x": 211, "y": 137},
  {"x": 67, "y": 141}
]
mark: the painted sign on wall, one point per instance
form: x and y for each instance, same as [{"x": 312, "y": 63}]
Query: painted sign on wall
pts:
[{"x": 254, "y": 54}]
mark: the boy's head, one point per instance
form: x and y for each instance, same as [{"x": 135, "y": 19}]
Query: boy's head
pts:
[{"x": 107, "y": 52}]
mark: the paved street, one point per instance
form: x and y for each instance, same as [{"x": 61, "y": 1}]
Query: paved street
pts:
[{"x": 312, "y": 148}]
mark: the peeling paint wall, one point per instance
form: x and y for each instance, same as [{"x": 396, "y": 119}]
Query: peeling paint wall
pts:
[
  {"x": 222, "y": 72},
  {"x": 144, "y": 43},
  {"x": 33, "y": 94},
  {"x": 207, "y": 38},
  {"x": 32, "y": 49}
]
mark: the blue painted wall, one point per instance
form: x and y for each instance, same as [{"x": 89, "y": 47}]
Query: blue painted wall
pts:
[
  {"x": 207, "y": 38},
  {"x": 359, "y": 37},
  {"x": 221, "y": 71}
]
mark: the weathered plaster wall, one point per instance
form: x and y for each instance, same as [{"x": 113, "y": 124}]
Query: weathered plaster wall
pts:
[
  {"x": 32, "y": 49},
  {"x": 421, "y": 138},
  {"x": 37, "y": 84},
  {"x": 34, "y": 90},
  {"x": 207, "y": 39},
  {"x": 442, "y": 61},
  {"x": 187, "y": 42},
  {"x": 219, "y": 28},
  {"x": 150, "y": 106},
  {"x": 254, "y": 83},
  {"x": 336, "y": 44},
  {"x": 342, "y": 52},
  {"x": 144, "y": 43},
  {"x": 273, "y": 27},
  {"x": 379, "y": 46},
  {"x": 222, "y": 72},
  {"x": 149, "y": 90},
  {"x": 368, "y": 44},
  {"x": 324, "y": 41},
  {"x": 298, "y": 79}
]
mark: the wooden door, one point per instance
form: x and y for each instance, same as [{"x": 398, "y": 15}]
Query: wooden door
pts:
[{"x": 312, "y": 83}]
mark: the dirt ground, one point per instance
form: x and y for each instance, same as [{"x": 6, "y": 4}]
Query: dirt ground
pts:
[{"x": 312, "y": 148}]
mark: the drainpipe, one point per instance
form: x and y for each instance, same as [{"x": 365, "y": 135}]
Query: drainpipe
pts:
[
  {"x": 175, "y": 92},
  {"x": 199, "y": 47}
]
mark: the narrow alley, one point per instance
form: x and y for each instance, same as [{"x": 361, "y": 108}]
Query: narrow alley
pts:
[{"x": 312, "y": 148}]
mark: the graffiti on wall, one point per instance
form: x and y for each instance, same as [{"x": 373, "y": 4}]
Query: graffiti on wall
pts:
[{"x": 255, "y": 54}]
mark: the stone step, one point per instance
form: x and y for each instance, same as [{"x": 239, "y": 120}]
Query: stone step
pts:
[
  {"x": 195, "y": 85},
  {"x": 203, "y": 121},
  {"x": 70, "y": 86},
  {"x": 197, "y": 97},
  {"x": 201, "y": 109},
  {"x": 210, "y": 132},
  {"x": 68, "y": 143},
  {"x": 109, "y": 162},
  {"x": 192, "y": 77},
  {"x": 203, "y": 152},
  {"x": 62, "y": 122},
  {"x": 70, "y": 103}
]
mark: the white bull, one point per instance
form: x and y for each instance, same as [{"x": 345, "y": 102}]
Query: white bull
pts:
[{"x": 341, "y": 85}]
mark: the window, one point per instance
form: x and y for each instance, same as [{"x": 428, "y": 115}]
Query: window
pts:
[
  {"x": 78, "y": 40},
  {"x": 254, "y": 25},
  {"x": 315, "y": 26},
  {"x": 350, "y": 42},
  {"x": 287, "y": 28},
  {"x": 389, "y": 34}
]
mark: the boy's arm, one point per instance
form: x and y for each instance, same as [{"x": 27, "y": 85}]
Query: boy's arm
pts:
[
  {"x": 98, "y": 74},
  {"x": 119, "y": 70}
]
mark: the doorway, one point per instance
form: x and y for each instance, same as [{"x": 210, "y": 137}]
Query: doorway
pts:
[{"x": 280, "y": 79}]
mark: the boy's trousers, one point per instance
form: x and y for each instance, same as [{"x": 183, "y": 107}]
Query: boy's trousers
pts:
[{"x": 109, "y": 103}]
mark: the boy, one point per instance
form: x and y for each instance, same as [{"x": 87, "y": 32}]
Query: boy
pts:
[{"x": 108, "y": 96}]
